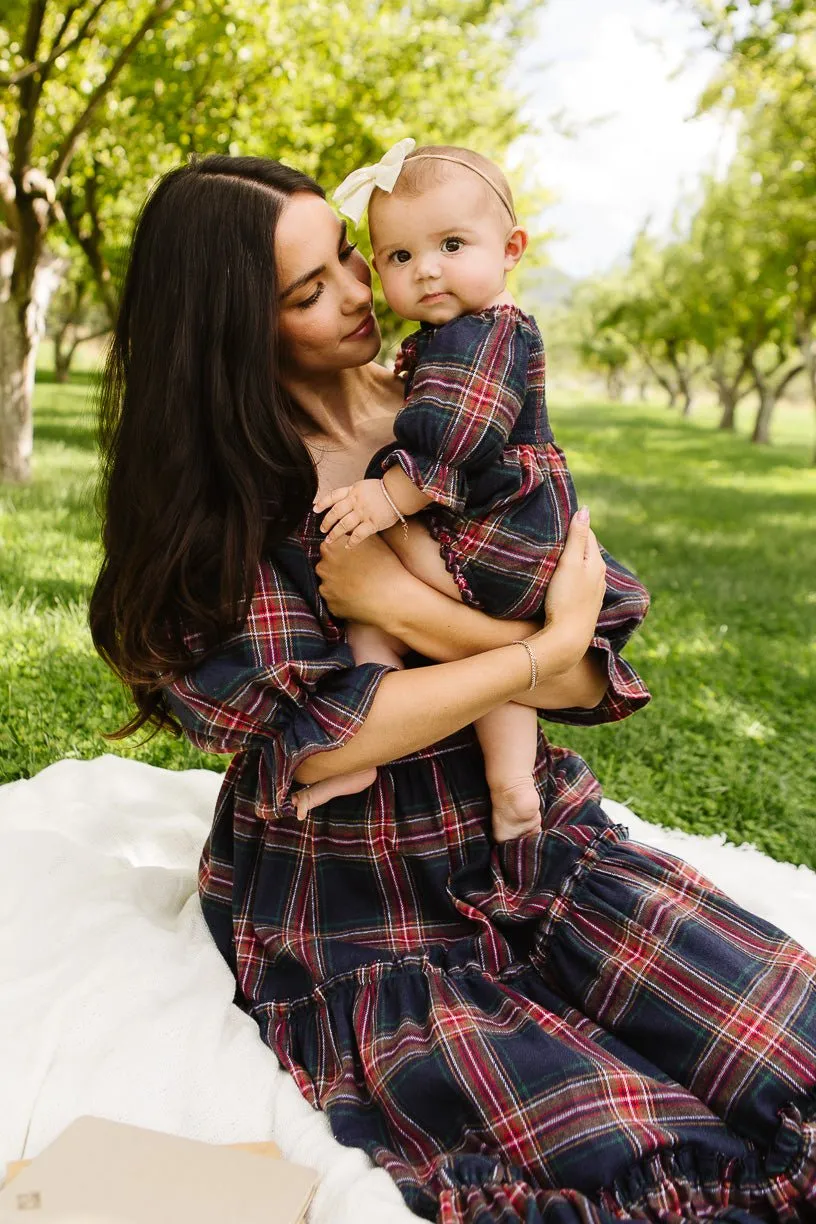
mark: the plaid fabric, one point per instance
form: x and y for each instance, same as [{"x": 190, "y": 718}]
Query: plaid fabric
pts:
[
  {"x": 475, "y": 436},
  {"x": 566, "y": 1026}
]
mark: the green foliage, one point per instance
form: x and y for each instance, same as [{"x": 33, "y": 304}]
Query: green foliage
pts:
[
  {"x": 733, "y": 292},
  {"x": 322, "y": 85},
  {"x": 721, "y": 534}
]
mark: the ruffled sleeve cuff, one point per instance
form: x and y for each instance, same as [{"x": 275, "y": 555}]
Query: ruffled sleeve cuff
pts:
[
  {"x": 334, "y": 712},
  {"x": 444, "y": 484},
  {"x": 625, "y": 694}
]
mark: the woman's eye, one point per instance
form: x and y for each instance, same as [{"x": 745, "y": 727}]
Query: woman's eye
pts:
[
  {"x": 452, "y": 244},
  {"x": 352, "y": 246},
  {"x": 310, "y": 301},
  {"x": 400, "y": 256}
]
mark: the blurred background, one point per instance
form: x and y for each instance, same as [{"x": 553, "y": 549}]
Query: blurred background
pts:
[{"x": 663, "y": 156}]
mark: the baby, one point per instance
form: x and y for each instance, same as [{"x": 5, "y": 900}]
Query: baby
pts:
[{"x": 474, "y": 455}]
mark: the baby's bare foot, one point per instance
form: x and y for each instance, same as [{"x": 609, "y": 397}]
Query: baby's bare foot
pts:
[{"x": 516, "y": 809}]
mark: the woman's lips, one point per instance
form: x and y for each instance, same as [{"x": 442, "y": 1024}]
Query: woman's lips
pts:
[{"x": 365, "y": 329}]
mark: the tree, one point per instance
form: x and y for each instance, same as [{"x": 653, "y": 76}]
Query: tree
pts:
[
  {"x": 75, "y": 316},
  {"x": 769, "y": 76},
  {"x": 40, "y": 43},
  {"x": 104, "y": 95}
]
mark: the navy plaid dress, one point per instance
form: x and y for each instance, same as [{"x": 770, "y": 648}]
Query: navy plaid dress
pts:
[
  {"x": 566, "y": 1026},
  {"x": 475, "y": 436}
]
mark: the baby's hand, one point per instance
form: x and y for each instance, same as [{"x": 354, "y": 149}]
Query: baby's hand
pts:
[{"x": 357, "y": 510}]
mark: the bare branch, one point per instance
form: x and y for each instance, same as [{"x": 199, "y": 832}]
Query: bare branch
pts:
[{"x": 66, "y": 149}]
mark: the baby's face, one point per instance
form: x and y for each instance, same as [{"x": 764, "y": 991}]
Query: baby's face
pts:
[{"x": 440, "y": 254}]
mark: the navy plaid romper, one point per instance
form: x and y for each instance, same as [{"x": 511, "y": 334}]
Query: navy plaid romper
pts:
[
  {"x": 474, "y": 435},
  {"x": 567, "y": 1026}
]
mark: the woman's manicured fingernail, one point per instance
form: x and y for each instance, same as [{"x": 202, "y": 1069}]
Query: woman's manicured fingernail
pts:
[{"x": 583, "y": 514}]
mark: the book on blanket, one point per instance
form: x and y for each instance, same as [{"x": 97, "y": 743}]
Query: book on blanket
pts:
[{"x": 103, "y": 1172}]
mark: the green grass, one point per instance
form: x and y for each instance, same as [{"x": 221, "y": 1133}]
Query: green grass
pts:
[
  {"x": 721, "y": 533},
  {"x": 56, "y": 694}
]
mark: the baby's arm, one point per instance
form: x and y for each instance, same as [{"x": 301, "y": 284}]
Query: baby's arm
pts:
[
  {"x": 465, "y": 397},
  {"x": 361, "y": 509}
]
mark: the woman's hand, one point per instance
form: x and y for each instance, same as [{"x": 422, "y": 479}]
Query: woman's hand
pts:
[
  {"x": 361, "y": 583},
  {"x": 575, "y": 593}
]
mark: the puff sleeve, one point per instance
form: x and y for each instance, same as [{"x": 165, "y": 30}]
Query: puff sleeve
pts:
[
  {"x": 626, "y": 692},
  {"x": 463, "y": 400},
  {"x": 280, "y": 685}
]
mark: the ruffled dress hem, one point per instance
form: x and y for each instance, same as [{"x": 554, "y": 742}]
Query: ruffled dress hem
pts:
[{"x": 669, "y": 1185}]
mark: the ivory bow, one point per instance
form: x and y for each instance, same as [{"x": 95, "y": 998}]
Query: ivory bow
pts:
[{"x": 354, "y": 192}]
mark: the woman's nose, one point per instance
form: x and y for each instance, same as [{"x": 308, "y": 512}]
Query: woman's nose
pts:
[{"x": 357, "y": 292}]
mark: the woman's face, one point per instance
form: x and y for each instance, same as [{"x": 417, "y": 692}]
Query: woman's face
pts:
[{"x": 325, "y": 317}]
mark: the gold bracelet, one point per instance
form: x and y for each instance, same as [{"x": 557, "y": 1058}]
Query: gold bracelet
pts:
[
  {"x": 533, "y": 664},
  {"x": 401, "y": 517}
]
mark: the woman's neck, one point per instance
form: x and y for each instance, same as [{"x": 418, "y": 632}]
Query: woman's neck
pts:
[{"x": 340, "y": 405}]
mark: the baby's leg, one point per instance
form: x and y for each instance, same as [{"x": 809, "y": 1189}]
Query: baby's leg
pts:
[
  {"x": 420, "y": 555},
  {"x": 368, "y": 645},
  {"x": 508, "y": 736}
]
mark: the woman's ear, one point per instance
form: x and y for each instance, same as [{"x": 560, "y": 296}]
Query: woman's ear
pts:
[{"x": 514, "y": 247}]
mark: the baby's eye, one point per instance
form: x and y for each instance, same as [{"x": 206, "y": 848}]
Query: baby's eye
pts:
[
  {"x": 452, "y": 244},
  {"x": 400, "y": 257}
]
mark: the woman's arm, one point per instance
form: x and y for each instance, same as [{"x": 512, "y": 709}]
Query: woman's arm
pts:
[
  {"x": 413, "y": 709},
  {"x": 444, "y": 629},
  {"x": 371, "y": 584},
  {"x": 417, "y": 707}
]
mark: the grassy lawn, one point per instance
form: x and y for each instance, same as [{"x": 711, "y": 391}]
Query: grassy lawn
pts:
[{"x": 721, "y": 533}]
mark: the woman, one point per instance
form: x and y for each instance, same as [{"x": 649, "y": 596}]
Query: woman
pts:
[{"x": 566, "y": 1021}]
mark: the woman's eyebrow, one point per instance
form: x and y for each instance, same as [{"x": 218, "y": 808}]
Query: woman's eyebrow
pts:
[{"x": 304, "y": 280}]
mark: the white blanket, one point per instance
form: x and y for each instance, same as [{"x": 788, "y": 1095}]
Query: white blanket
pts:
[{"x": 114, "y": 1000}]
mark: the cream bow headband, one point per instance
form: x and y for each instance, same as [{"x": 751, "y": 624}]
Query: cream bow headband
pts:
[{"x": 354, "y": 193}]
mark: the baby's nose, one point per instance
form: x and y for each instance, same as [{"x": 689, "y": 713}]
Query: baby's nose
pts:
[{"x": 427, "y": 265}]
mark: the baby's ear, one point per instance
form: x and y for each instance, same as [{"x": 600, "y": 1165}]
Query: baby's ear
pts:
[
  {"x": 514, "y": 247},
  {"x": 374, "y": 263}
]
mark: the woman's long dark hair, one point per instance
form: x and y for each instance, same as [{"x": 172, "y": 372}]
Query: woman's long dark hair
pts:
[{"x": 202, "y": 466}]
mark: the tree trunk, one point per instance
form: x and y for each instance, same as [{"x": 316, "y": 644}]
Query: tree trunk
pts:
[
  {"x": 728, "y": 389},
  {"x": 20, "y": 335},
  {"x": 17, "y": 358},
  {"x": 728, "y": 403},
  {"x": 63, "y": 354},
  {"x": 768, "y": 395},
  {"x": 683, "y": 383},
  {"x": 613, "y": 384},
  {"x": 687, "y": 399},
  {"x": 762, "y": 424},
  {"x": 62, "y": 362},
  {"x": 807, "y": 347}
]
